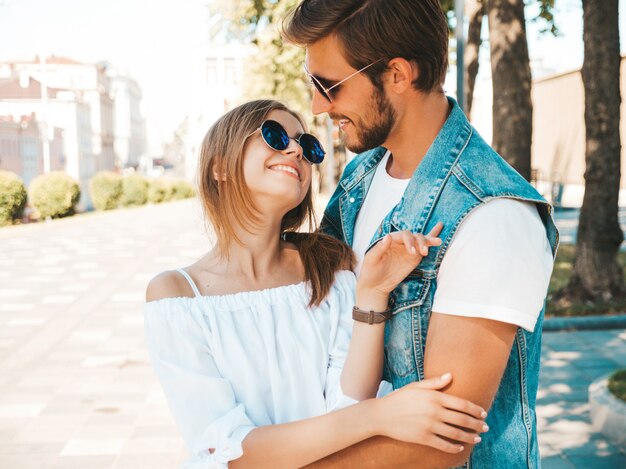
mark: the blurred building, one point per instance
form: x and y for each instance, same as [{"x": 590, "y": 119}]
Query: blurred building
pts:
[
  {"x": 79, "y": 101},
  {"x": 129, "y": 124},
  {"x": 93, "y": 85},
  {"x": 558, "y": 149},
  {"x": 223, "y": 76},
  {"x": 21, "y": 147},
  {"x": 60, "y": 116}
]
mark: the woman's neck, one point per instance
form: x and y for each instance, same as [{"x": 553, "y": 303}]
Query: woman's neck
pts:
[{"x": 260, "y": 255}]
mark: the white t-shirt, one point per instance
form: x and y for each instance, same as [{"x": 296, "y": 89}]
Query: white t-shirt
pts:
[
  {"x": 383, "y": 195},
  {"x": 498, "y": 265}
]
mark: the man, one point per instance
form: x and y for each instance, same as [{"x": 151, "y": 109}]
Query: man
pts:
[{"x": 474, "y": 306}]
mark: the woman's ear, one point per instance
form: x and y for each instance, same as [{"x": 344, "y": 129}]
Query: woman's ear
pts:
[{"x": 219, "y": 175}]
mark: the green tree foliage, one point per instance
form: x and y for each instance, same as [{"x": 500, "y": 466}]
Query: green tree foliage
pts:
[
  {"x": 54, "y": 194},
  {"x": 12, "y": 197},
  {"x": 275, "y": 69}
]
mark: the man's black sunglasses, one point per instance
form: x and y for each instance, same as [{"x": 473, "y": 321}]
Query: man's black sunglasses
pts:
[{"x": 276, "y": 137}]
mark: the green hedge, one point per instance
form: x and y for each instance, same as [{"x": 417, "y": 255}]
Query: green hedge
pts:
[
  {"x": 181, "y": 189},
  {"x": 54, "y": 194},
  {"x": 159, "y": 191},
  {"x": 617, "y": 384},
  {"x": 134, "y": 190},
  {"x": 106, "y": 190},
  {"x": 164, "y": 190},
  {"x": 13, "y": 197}
]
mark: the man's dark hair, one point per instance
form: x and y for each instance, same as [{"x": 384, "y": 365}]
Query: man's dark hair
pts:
[{"x": 369, "y": 30}]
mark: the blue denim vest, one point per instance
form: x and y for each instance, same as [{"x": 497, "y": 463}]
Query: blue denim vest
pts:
[{"x": 459, "y": 173}]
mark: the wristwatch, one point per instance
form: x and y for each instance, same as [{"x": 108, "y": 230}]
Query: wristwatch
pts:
[{"x": 370, "y": 317}]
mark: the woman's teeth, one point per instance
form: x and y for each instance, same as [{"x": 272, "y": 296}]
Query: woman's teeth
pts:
[{"x": 287, "y": 169}]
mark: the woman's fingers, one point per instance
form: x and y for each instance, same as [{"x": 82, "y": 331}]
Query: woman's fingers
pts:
[
  {"x": 434, "y": 383},
  {"x": 436, "y": 231},
  {"x": 409, "y": 242},
  {"x": 462, "y": 405},
  {"x": 423, "y": 244},
  {"x": 416, "y": 243},
  {"x": 455, "y": 434},
  {"x": 439, "y": 443},
  {"x": 460, "y": 419},
  {"x": 379, "y": 248}
]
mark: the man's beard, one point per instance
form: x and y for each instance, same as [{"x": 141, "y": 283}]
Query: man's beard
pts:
[{"x": 374, "y": 133}]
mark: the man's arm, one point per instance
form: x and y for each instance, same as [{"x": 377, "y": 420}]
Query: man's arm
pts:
[{"x": 476, "y": 351}]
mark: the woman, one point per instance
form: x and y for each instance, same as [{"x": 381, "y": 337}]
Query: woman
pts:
[{"x": 251, "y": 341}]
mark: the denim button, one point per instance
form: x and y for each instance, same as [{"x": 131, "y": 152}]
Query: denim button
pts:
[{"x": 351, "y": 199}]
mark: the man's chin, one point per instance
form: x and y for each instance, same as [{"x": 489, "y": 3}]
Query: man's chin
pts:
[{"x": 354, "y": 146}]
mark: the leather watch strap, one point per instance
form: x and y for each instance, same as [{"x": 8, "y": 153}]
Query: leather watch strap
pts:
[{"x": 370, "y": 317}]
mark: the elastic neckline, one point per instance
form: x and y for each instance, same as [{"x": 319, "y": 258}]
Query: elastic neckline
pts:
[{"x": 270, "y": 293}]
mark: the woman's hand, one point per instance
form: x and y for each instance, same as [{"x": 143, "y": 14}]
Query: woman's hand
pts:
[
  {"x": 390, "y": 260},
  {"x": 418, "y": 413}
]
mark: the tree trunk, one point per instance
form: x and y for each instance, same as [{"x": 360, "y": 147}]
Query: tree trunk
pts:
[
  {"x": 475, "y": 10},
  {"x": 597, "y": 275},
  {"x": 510, "y": 69}
]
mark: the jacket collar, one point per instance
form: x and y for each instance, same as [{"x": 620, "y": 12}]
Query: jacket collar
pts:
[{"x": 433, "y": 171}]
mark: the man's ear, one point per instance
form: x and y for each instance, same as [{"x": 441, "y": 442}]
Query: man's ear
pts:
[{"x": 402, "y": 73}]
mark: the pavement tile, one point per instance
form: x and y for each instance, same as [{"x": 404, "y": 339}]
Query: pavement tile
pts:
[
  {"x": 36, "y": 433},
  {"x": 84, "y": 462},
  {"x": 31, "y": 409},
  {"x": 29, "y": 461},
  {"x": 92, "y": 446},
  {"x": 148, "y": 461},
  {"x": 596, "y": 446},
  {"x": 26, "y": 449},
  {"x": 151, "y": 445},
  {"x": 613, "y": 461}
]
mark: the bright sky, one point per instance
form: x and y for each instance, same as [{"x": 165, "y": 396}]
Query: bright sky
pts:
[{"x": 161, "y": 44}]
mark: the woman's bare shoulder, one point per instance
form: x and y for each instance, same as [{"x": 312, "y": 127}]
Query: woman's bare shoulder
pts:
[{"x": 168, "y": 284}]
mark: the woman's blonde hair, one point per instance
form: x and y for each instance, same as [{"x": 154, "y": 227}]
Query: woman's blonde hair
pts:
[{"x": 226, "y": 199}]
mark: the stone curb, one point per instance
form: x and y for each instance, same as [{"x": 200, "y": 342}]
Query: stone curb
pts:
[
  {"x": 608, "y": 413},
  {"x": 583, "y": 323}
]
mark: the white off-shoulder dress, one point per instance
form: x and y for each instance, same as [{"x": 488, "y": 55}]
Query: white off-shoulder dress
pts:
[{"x": 230, "y": 363}]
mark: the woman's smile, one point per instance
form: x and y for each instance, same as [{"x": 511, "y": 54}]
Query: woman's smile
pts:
[{"x": 287, "y": 169}]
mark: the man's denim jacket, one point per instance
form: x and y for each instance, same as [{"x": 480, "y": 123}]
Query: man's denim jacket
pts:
[{"x": 459, "y": 173}]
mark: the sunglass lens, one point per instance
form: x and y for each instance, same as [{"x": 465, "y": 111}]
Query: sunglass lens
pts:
[
  {"x": 275, "y": 135},
  {"x": 320, "y": 89},
  {"x": 312, "y": 148}
]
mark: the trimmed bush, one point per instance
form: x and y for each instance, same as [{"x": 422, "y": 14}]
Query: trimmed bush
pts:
[
  {"x": 164, "y": 190},
  {"x": 105, "y": 189},
  {"x": 54, "y": 194},
  {"x": 617, "y": 384},
  {"x": 181, "y": 189},
  {"x": 134, "y": 190},
  {"x": 13, "y": 197},
  {"x": 159, "y": 190}
]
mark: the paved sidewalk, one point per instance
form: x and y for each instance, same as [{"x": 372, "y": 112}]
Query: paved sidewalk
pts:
[
  {"x": 76, "y": 388},
  {"x": 570, "y": 362}
]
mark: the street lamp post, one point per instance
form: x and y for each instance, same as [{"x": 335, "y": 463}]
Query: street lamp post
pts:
[{"x": 459, "y": 10}]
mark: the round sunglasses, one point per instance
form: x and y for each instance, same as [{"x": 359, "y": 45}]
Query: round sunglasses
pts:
[{"x": 276, "y": 137}]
